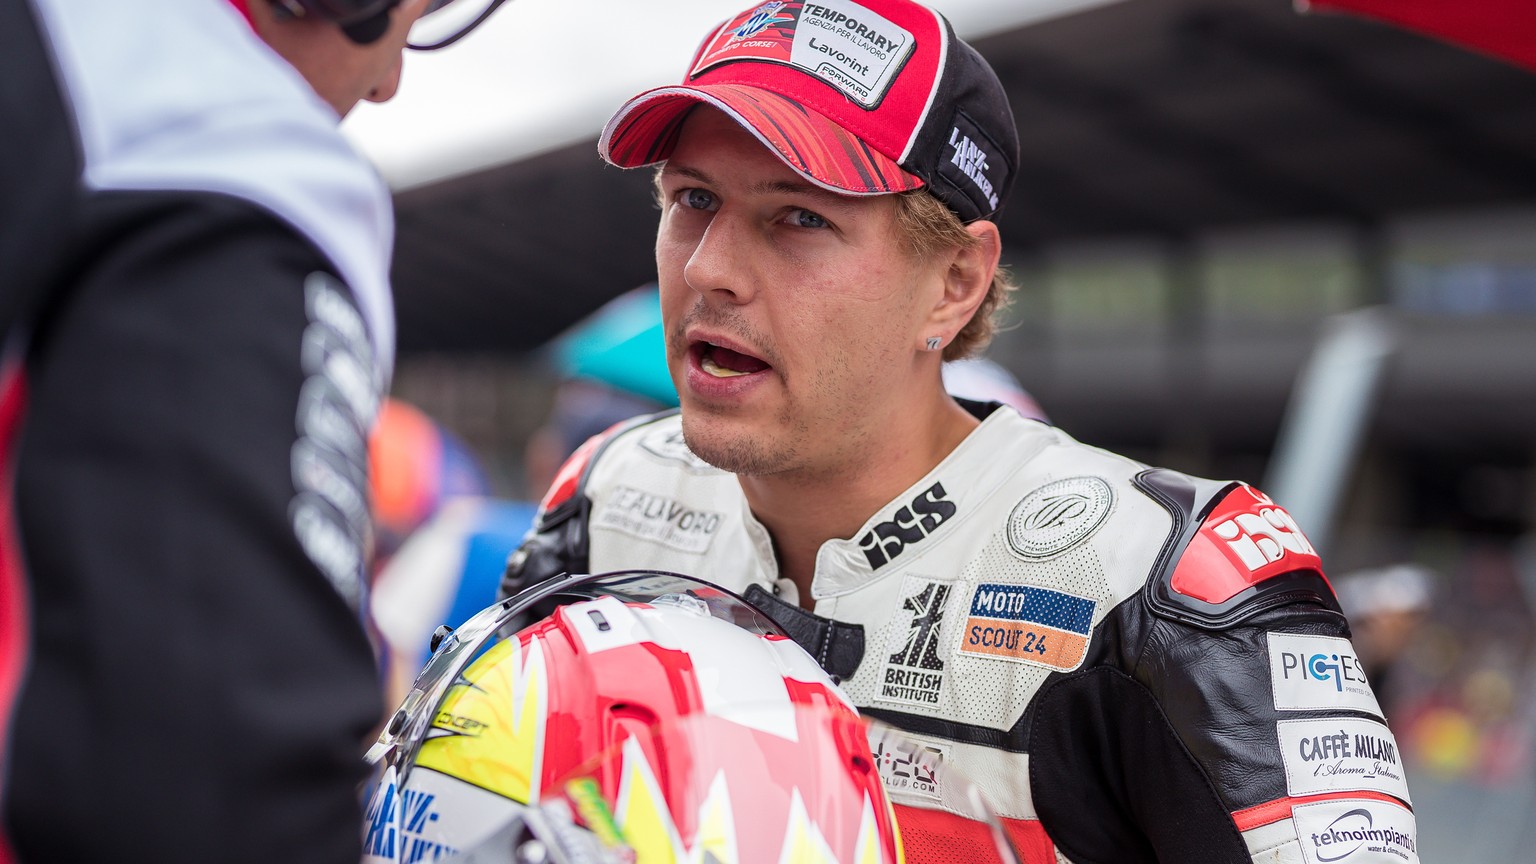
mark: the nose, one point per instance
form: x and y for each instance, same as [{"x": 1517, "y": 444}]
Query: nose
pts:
[{"x": 719, "y": 267}]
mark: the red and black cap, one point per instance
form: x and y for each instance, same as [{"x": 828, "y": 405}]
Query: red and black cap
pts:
[{"x": 862, "y": 97}]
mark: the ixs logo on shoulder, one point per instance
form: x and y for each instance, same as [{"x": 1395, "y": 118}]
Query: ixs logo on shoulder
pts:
[
  {"x": 1310, "y": 673},
  {"x": 658, "y": 518},
  {"x": 914, "y": 669},
  {"x": 908, "y": 525},
  {"x": 1341, "y": 754},
  {"x": 1258, "y": 533},
  {"x": 1356, "y": 832}
]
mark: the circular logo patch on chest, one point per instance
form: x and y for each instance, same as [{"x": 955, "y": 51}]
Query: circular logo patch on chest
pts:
[{"x": 1058, "y": 516}]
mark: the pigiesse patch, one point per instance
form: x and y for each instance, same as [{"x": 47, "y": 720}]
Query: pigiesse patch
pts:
[{"x": 1312, "y": 673}]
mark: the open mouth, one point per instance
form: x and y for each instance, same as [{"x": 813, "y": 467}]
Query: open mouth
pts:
[{"x": 722, "y": 362}]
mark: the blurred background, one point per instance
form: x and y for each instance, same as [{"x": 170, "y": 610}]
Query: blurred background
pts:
[{"x": 1296, "y": 248}]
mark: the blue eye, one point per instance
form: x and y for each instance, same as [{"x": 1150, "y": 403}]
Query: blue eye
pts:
[
  {"x": 698, "y": 199},
  {"x": 801, "y": 218}
]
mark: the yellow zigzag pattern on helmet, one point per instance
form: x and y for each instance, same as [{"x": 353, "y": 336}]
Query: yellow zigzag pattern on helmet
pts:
[
  {"x": 495, "y": 728},
  {"x": 648, "y": 828}
]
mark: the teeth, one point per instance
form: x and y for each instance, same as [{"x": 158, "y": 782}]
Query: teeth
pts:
[{"x": 709, "y": 365}]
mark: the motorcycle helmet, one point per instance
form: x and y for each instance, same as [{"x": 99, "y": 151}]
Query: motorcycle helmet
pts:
[{"x": 652, "y": 719}]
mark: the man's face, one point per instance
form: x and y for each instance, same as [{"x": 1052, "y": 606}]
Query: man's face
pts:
[
  {"x": 341, "y": 71},
  {"x": 793, "y": 315}
]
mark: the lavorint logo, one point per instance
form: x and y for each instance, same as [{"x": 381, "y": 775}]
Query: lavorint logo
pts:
[{"x": 910, "y": 525}]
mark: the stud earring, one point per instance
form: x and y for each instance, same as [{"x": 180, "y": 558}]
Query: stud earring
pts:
[{"x": 934, "y": 342}]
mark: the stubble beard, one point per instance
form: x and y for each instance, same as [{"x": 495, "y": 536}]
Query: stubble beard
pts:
[{"x": 744, "y": 454}]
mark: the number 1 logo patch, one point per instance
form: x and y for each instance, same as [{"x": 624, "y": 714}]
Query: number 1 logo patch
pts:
[{"x": 1029, "y": 625}]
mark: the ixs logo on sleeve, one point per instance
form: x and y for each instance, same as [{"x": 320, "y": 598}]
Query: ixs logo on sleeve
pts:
[
  {"x": 1258, "y": 533},
  {"x": 329, "y": 461},
  {"x": 1310, "y": 673}
]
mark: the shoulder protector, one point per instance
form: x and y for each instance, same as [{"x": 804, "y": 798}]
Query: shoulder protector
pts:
[
  {"x": 1231, "y": 554},
  {"x": 558, "y": 542}
]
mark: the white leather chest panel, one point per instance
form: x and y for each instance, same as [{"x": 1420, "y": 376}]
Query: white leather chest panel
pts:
[{"x": 992, "y": 570}]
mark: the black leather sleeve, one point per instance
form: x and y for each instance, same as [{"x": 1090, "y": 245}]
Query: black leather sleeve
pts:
[
  {"x": 1172, "y": 727},
  {"x": 1148, "y": 756},
  {"x": 198, "y": 675},
  {"x": 40, "y": 167}
]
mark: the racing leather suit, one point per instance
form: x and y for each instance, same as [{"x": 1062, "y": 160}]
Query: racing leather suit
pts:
[
  {"x": 195, "y": 328},
  {"x": 1135, "y": 664}
]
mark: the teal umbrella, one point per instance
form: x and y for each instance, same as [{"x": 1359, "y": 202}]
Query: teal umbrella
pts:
[{"x": 621, "y": 345}]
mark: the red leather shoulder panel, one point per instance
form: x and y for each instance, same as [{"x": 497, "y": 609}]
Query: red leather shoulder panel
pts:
[
  {"x": 1245, "y": 540},
  {"x": 568, "y": 478}
]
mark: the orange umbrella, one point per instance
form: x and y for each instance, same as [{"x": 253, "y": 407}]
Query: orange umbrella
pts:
[{"x": 1505, "y": 29}]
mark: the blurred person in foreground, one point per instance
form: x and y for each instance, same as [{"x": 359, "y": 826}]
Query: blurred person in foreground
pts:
[
  {"x": 1137, "y": 665},
  {"x": 195, "y": 328}
]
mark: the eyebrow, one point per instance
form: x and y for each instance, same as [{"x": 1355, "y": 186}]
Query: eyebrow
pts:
[{"x": 788, "y": 187}]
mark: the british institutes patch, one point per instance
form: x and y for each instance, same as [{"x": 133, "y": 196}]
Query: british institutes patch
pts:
[
  {"x": 1058, "y": 516},
  {"x": 914, "y": 666},
  {"x": 1029, "y": 625}
]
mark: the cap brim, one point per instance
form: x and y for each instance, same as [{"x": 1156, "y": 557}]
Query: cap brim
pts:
[{"x": 645, "y": 130}]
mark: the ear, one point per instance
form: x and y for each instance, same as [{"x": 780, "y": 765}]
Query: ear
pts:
[{"x": 967, "y": 281}]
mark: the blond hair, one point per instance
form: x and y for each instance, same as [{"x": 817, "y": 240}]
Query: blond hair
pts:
[{"x": 927, "y": 226}]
